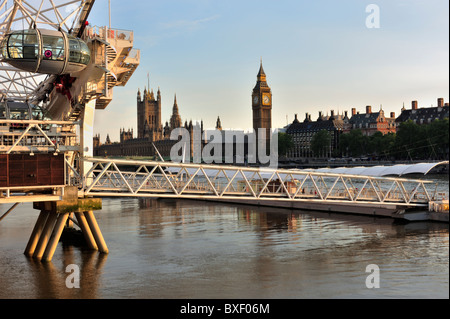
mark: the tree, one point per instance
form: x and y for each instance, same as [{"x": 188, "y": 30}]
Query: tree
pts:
[
  {"x": 358, "y": 143},
  {"x": 320, "y": 143},
  {"x": 411, "y": 142},
  {"x": 375, "y": 143},
  {"x": 438, "y": 138},
  {"x": 343, "y": 149},
  {"x": 285, "y": 143},
  {"x": 381, "y": 144},
  {"x": 388, "y": 145},
  {"x": 353, "y": 143}
]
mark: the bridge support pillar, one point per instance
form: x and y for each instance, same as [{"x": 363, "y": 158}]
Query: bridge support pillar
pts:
[
  {"x": 86, "y": 230},
  {"x": 56, "y": 236},
  {"x": 36, "y": 234},
  {"x": 54, "y": 218},
  {"x": 45, "y": 236},
  {"x": 93, "y": 225}
]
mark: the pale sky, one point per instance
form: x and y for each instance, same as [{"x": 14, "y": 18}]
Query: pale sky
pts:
[{"x": 318, "y": 56}]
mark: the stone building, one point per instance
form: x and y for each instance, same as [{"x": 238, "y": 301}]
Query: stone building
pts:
[
  {"x": 303, "y": 132},
  {"x": 149, "y": 115},
  {"x": 262, "y": 104},
  {"x": 151, "y": 133},
  {"x": 424, "y": 115},
  {"x": 371, "y": 122}
]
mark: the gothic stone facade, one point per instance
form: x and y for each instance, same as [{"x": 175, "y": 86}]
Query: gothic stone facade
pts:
[
  {"x": 262, "y": 104},
  {"x": 150, "y": 131}
]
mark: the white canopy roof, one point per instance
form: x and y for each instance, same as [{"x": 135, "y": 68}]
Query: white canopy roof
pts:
[
  {"x": 379, "y": 171},
  {"x": 376, "y": 171}
]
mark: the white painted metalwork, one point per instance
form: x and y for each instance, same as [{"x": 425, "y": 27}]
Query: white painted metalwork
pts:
[
  {"x": 70, "y": 100},
  {"x": 122, "y": 178},
  {"x": 38, "y": 136},
  {"x": 31, "y": 194},
  {"x": 379, "y": 171},
  {"x": 68, "y": 16}
]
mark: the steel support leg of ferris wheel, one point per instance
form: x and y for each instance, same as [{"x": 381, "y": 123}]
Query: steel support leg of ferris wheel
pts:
[{"x": 87, "y": 139}]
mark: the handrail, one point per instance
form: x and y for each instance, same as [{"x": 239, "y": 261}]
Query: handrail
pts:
[
  {"x": 106, "y": 33},
  {"x": 152, "y": 178},
  {"x": 246, "y": 169},
  {"x": 38, "y": 122}
]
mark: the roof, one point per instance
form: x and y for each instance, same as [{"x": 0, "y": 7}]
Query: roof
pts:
[
  {"x": 364, "y": 118},
  {"x": 433, "y": 113},
  {"x": 379, "y": 171},
  {"x": 261, "y": 84},
  {"x": 261, "y": 71},
  {"x": 329, "y": 125}
]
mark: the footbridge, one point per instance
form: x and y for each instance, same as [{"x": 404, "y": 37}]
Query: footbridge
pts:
[{"x": 301, "y": 189}]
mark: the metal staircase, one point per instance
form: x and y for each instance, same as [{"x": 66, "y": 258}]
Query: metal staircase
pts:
[
  {"x": 76, "y": 112},
  {"x": 125, "y": 77},
  {"x": 111, "y": 80},
  {"x": 111, "y": 53},
  {"x": 115, "y": 62}
]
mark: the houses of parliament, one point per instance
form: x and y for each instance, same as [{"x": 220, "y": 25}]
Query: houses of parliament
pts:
[{"x": 152, "y": 134}]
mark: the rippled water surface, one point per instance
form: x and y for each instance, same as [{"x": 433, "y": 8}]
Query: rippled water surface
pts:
[{"x": 192, "y": 249}]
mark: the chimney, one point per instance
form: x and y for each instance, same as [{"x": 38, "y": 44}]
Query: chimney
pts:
[
  {"x": 353, "y": 112},
  {"x": 392, "y": 115},
  {"x": 415, "y": 105},
  {"x": 440, "y": 102},
  {"x": 368, "y": 109}
]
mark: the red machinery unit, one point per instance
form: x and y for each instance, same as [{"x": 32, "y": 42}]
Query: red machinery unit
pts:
[{"x": 19, "y": 170}]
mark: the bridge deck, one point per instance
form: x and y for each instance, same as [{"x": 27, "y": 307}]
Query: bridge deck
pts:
[{"x": 124, "y": 178}]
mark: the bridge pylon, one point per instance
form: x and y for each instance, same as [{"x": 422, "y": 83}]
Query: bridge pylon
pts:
[{"x": 57, "y": 216}]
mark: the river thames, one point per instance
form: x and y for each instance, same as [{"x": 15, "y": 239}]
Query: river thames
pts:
[{"x": 162, "y": 249}]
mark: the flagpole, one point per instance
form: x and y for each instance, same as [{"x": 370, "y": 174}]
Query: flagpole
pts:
[{"x": 109, "y": 9}]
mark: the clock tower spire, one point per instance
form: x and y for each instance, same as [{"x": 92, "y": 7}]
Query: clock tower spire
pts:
[
  {"x": 261, "y": 74},
  {"x": 262, "y": 104}
]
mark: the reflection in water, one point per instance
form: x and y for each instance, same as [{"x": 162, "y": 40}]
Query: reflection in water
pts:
[
  {"x": 50, "y": 278},
  {"x": 194, "y": 249}
]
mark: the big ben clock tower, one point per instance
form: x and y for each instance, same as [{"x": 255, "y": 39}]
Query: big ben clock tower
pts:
[{"x": 262, "y": 105}]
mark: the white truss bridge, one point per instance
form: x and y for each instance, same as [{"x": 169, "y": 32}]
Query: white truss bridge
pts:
[{"x": 258, "y": 186}]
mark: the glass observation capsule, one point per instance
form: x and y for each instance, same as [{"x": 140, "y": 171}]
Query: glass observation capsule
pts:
[
  {"x": 45, "y": 51},
  {"x": 13, "y": 110}
]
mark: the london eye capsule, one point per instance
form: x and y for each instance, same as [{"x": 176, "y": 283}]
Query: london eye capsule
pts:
[{"x": 45, "y": 51}]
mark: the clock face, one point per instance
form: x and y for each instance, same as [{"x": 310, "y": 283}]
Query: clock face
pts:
[
  {"x": 266, "y": 99},
  {"x": 255, "y": 100}
]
